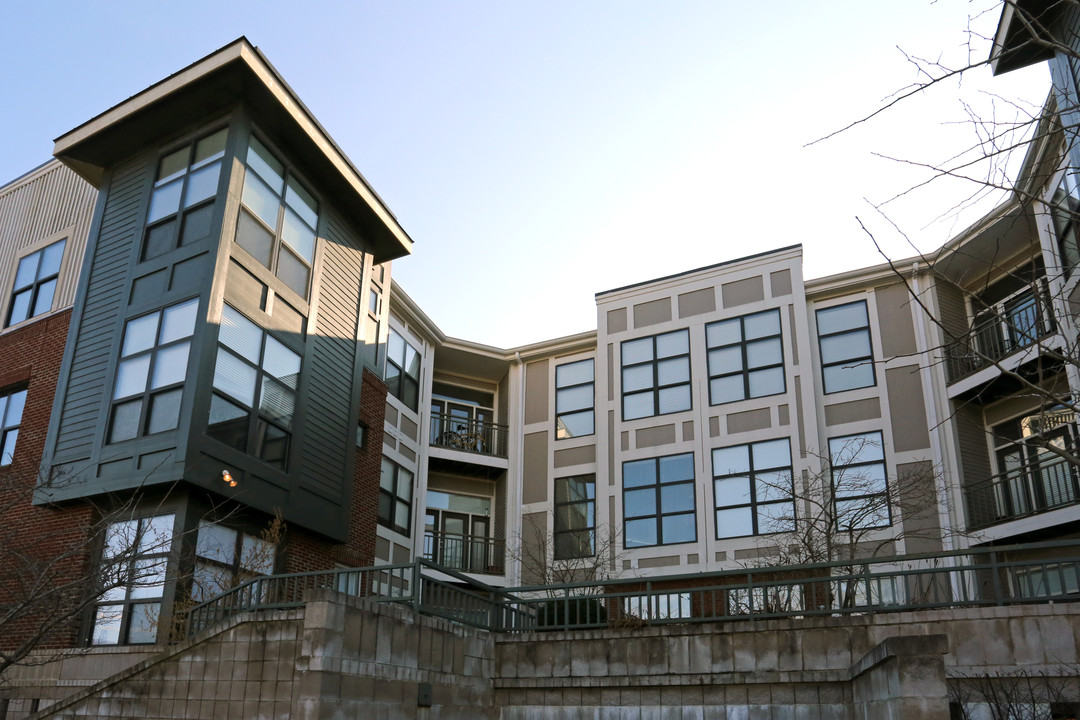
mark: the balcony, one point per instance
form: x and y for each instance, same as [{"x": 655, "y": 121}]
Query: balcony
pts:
[
  {"x": 469, "y": 432},
  {"x": 1011, "y": 325},
  {"x": 1046, "y": 483},
  {"x": 466, "y": 553}
]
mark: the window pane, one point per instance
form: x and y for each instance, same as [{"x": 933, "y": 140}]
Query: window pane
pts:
[
  {"x": 172, "y": 165},
  {"x": 302, "y": 202},
  {"x": 401, "y": 515},
  {"x": 636, "y": 351},
  {"x": 404, "y": 484},
  {"x": 574, "y": 373},
  {"x": 676, "y": 343},
  {"x": 761, "y": 324},
  {"x": 734, "y": 522},
  {"x": 144, "y": 623},
  {"x": 639, "y": 502},
  {"x": 673, "y": 371},
  {"x": 170, "y": 366},
  {"x": 50, "y": 259},
  {"x": 771, "y": 454},
  {"x": 723, "y": 333},
  {"x": 43, "y": 301},
  {"x": 386, "y": 476},
  {"x": 292, "y": 272},
  {"x": 149, "y": 578},
  {"x": 575, "y": 425},
  {"x": 107, "y": 625},
  {"x": 412, "y": 362},
  {"x": 216, "y": 542},
  {"x": 262, "y": 201},
  {"x": 228, "y": 423},
  {"x": 674, "y": 498},
  {"x": 277, "y": 402},
  {"x": 27, "y": 272},
  {"x": 125, "y": 421},
  {"x": 732, "y": 491},
  {"x": 159, "y": 240},
  {"x": 679, "y": 529},
  {"x": 131, "y": 376},
  {"x": 281, "y": 362},
  {"x": 637, "y": 406},
  {"x": 140, "y": 334},
  {"x": 298, "y": 235},
  {"x": 576, "y": 398},
  {"x": 202, "y": 184},
  {"x": 16, "y": 401},
  {"x": 777, "y": 517},
  {"x": 210, "y": 146},
  {"x": 197, "y": 224},
  {"x": 843, "y": 317},
  {"x": 860, "y": 480},
  {"x": 766, "y": 382},
  {"x": 838, "y": 348},
  {"x": 164, "y": 201},
  {"x": 257, "y": 555},
  {"x": 764, "y": 352},
  {"x": 839, "y": 378},
  {"x": 638, "y": 473},
  {"x": 7, "y": 450},
  {"x": 20, "y": 306},
  {"x": 773, "y": 486},
  {"x": 265, "y": 164},
  {"x": 637, "y": 378},
  {"x": 233, "y": 377},
  {"x": 676, "y": 468},
  {"x": 271, "y": 444},
  {"x": 725, "y": 360},
  {"x": 164, "y": 411},
  {"x": 240, "y": 334},
  {"x": 729, "y": 461},
  {"x": 865, "y": 513},
  {"x": 674, "y": 399},
  {"x": 208, "y": 581},
  {"x": 157, "y": 534},
  {"x": 254, "y": 238},
  {"x": 640, "y": 533},
  {"x": 178, "y": 321},
  {"x": 866, "y": 447}
]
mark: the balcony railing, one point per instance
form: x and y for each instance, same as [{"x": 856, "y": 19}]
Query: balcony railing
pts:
[
  {"x": 1017, "y": 323},
  {"x": 468, "y": 434},
  {"x": 1048, "y": 482},
  {"x": 467, "y": 553}
]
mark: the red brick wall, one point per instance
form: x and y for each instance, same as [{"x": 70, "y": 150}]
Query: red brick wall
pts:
[
  {"x": 304, "y": 551},
  {"x": 37, "y": 543}
]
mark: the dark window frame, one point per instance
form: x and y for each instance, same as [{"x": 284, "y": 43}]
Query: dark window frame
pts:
[
  {"x": 654, "y": 363},
  {"x": 742, "y": 344},
  {"x": 755, "y": 502},
  {"x": 390, "y": 498},
  {"x": 234, "y": 571},
  {"x": 851, "y": 361},
  {"x": 400, "y": 384},
  {"x": 9, "y": 427},
  {"x": 35, "y": 286},
  {"x": 561, "y": 434},
  {"x": 567, "y": 538},
  {"x": 1064, "y": 210},
  {"x": 660, "y": 514},
  {"x": 837, "y": 470}
]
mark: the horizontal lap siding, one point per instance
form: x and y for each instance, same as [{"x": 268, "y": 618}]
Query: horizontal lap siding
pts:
[
  {"x": 328, "y": 424},
  {"x": 105, "y": 299}
]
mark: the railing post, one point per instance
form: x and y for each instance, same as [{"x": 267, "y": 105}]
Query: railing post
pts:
[
  {"x": 995, "y": 575},
  {"x": 416, "y": 603}
]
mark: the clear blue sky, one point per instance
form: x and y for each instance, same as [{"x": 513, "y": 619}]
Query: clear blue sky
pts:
[{"x": 541, "y": 152}]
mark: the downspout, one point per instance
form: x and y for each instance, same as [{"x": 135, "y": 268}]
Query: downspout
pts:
[{"x": 515, "y": 467}]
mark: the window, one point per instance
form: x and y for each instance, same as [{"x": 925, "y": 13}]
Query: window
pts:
[
  {"x": 278, "y": 220},
  {"x": 150, "y": 376},
  {"x": 753, "y": 488},
  {"x": 402, "y": 370},
  {"x": 574, "y": 400},
  {"x": 656, "y": 375},
  {"x": 133, "y": 565},
  {"x": 658, "y": 501},
  {"x": 746, "y": 357},
  {"x": 182, "y": 201},
  {"x": 35, "y": 283},
  {"x": 11, "y": 410},
  {"x": 1064, "y": 208},
  {"x": 255, "y": 383},
  {"x": 395, "y": 497},
  {"x": 658, "y": 606},
  {"x": 575, "y": 517},
  {"x": 847, "y": 360},
  {"x": 224, "y": 558},
  {"x": 860, "y": 489}
]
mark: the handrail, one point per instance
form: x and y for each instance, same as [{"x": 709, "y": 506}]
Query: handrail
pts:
[
  {"x": 468, "y": 434},
  {"x": 471, "y": 553},
  {"x": 1048, "y": 481}
]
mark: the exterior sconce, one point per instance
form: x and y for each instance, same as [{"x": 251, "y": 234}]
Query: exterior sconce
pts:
[{"x": 227, "y": 478}]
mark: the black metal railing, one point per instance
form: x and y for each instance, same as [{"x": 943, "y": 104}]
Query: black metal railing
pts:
[
  {"x": 468, "y": 553},
  {"x": 1020, "y": 322},
  {"x": 469, "y": 435},
  {"x": 1031, "y": 573},
  {"x": 1048, "y": 482}
]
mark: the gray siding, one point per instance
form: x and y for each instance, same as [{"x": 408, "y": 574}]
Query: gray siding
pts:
[
  {"x": 84, "y": 400},
  {"x": 332, "y": 353}
]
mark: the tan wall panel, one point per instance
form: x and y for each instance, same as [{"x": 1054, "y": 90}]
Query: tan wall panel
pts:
[
  {"x": 714, "y": 426},
  {"x": 382, "y": 549},
  {"x": 800, "y": 417},
  {"x": 743, "y": 292},
  {"x": 750, "y": 420},
  {"x": 791, "y": 341},
  {"x": 688, "y": 431},
  {"x": 536, "y": 392},
  {"x": 611, "y": 448},
  {"x": 697, "y": 302},
  {"x": 533, "y": 548},
  {"x": 575, "y": 456},
  {"x": 391, "y": 415},
  {"x": 654, "y": 436},
  {"x": 409, "y": 428},
  {"x": 918, "y": 506},
  {"x": 783, "y": 415},
  {"x": 894, "y": 319},
  {"x": 616, "y": 320},
  {"x": 907, "y": 409},
  {"x": 610, "y": 370},
  {"x": 854, "y": 411},
  {"x": 780, "y": 283},
  {"x": 652, "y": 313},
  {"x": 534, "y": 477},
  {"x": 666, "y": 561}
]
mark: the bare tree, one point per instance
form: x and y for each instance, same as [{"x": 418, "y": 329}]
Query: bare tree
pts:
[{"x": 1018, "y": 695}]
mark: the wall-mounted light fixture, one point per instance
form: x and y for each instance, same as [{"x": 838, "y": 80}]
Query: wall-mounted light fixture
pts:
[{"x": 227, "y": 478}]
